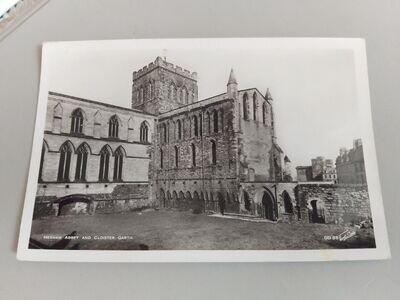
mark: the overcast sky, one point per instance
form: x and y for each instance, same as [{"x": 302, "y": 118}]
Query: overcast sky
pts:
[{"x": 314, "y": 91}]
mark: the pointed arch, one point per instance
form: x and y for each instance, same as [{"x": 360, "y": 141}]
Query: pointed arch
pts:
[
  {"x": 245, "y": 106},
  {"x": 81, "y": 162},
  {"x": 264, "y": 113},
  {"x": 179, "y": 125},
  {"x": 215, "y": 121},
  {"x": 195, "y": 126},
  {"x": 213, "y": 152},
  {"x": 287, "y": 202},
  {"x": 176, "y": 156},
  {"x": 193, "y": 148},
  {"x": 201, "y": 124},
  {"x": 64, "y": 164},
  {"x": 57, "y": 117},
  {"x": 105, "y": 154},
  {"x": 45, "y": 149},
  {"x": 118, "y": 163},
  {"x": 255, "y": 106},
  {"x": 144, "y": 132},
  {"x": 113, "y": 126}
]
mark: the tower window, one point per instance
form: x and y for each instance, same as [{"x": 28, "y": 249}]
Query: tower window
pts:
[
  {"x": 77, "y": 121},
  {"x": 264, "y": 108},
  {"x": 213, "y": 153},
  {"x": 113, "y": 127},
  {"x": 245, "y": 107},
  {"x": 255, "y": 106},
  {"x": 161, "y": 159},
  {"x": 193, "y": 155},
  {"x": 179, "y": 129},
  {"x": 176, "y": 157}
]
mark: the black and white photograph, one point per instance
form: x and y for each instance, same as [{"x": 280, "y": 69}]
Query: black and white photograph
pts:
[{"x": 212, "y": 147}]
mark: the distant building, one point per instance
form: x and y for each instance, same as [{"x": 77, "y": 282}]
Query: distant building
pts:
[
  {"x": 350, "y": 165},
  {"x": 321, "y": 169},
  {"x": 304, "y": 173}
]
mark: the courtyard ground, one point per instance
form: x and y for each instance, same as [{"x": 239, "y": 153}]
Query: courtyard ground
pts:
[{"x": 173, "y": 230}]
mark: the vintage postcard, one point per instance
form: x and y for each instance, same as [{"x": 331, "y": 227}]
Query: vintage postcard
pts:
[{"x": 192, "y": 150}]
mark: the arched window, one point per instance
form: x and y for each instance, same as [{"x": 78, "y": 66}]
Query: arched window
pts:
[
  {"x": 222, "y": 120},
  {"x": 176, "y": 156},
  {"x": 64, "y": 162},
  {"x": 196, "y": 126},
  {"x": 209, "y": 123},
  {"x": 144, "y": 132},
  {"x": 264, "y": 108},
  {"x": 193, "y": 155},
  {"x": 161, "y": 159},
  {"x": 113, "y": 127},
  {"x": 57, "y": 118},
  {"x": 172, "y": 92},
  {"x": 152, "y": 88},
  {"x": 255, "y": 106},
  {"x": 141, "y": 97},
  {"x": 213, "y": 153},
  {"x": 201, "y": 124},
  {"x": 105, "y": 154},
  {"x": 164, "y": 133},
  {"x": 179, "y": 129},
  {"x": 215, "y": 121},
  {"x": 245, "y": 106},
  {"x": 41, "y": 163},
  {"x": 77, "y": 121},
  {"x": 118, "y": 164},
  {"x": 184, "y": 95},
  {"x": 81, "y": 162}
]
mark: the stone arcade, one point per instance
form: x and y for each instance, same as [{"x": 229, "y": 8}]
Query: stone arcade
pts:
[{"x": 169, "y": 150}]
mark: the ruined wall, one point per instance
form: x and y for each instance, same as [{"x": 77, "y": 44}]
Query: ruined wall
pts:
[
  {"x": 342, "y": 204},
  {"x": 104, "y": 198},
  {"x": 256, "y": 139}
]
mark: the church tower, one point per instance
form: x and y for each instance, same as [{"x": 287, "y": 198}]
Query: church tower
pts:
[{"x": 161, "y": 86}]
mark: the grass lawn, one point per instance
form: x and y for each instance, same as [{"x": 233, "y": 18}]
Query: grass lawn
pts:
[{"x": 172, "y": 230}]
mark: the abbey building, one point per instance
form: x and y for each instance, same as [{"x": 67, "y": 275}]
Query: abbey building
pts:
[{"x": 169, "y": 150}]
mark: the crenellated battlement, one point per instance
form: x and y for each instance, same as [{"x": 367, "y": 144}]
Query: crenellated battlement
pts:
[{"x": 159, "y": 62}]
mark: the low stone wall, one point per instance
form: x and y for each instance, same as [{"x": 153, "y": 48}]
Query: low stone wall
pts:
[
  {"x": 121, "y": 197},
  {"x": 339, "y": 204}
]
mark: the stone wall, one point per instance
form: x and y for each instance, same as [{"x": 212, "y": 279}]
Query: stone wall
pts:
[
  {"x": 341, "y": 204},
  {"x": 97, "y": 198}
]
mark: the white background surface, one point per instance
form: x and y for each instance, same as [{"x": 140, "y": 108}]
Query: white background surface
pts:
[{"x": 377, "y": 21}]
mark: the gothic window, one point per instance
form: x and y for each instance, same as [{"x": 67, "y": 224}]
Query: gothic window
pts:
[
  {"x": 105, "y": 154},
  {"x": 118, "y": 164},
  {"x": 264, "y": 113},
  {"x": 193, "y": 155},
  {"x": 215, "y": 119},
  {"x": 222, "y": 120},
  {"x": 64, "y": 162},
  {"x": 57, "y": 118},
  {"x": 144, "y": 132},
  {"x": 77, "y": 121},
  {"x": 213, "y": 153},
  {"x": 176, "y": 156},
  {"x": 196, "y": 126},
  {"x": 209, "y": 123},
  {"x": 81, "y": 163},
  {"x": 179, "y": 129},
  {"x": 184, "y": 96},
  {"x": 201, "y": 125},
  {"x": 113, "y": 127},
  {"x": 164, "y": 133},
  {"x": 141, "y": 97},
  {"x": 255, "y": 106},
  {"x": 41, "y": 163},
  {"x": 172, "y": 92},
  {"x": 161, "y": 158},
  {"x": 245, "y": 107},
  {"x": 152, "y": 89}
]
